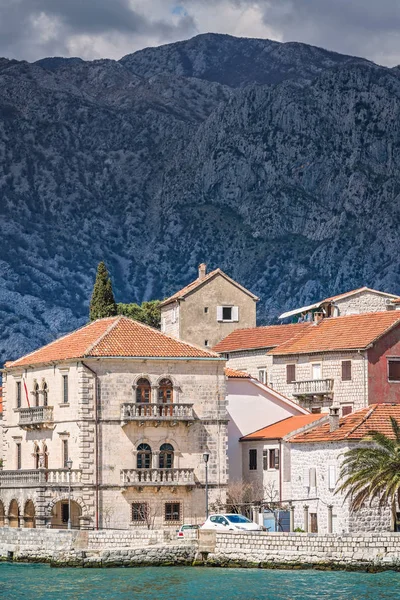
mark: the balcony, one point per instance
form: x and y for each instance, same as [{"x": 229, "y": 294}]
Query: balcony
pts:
[
  {"x": 37, "y": 417},
  {"x": 157, "y": 477},
  {"x": 313, "y": 387},
  {"x": 39, "y": 478},
  {"x": 156, "y": 413}
]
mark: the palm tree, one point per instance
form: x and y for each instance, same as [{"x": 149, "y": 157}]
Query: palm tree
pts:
[{"x": 373, "y": 472}]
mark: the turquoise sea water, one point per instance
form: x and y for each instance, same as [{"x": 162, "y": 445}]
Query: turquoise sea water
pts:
[{"x": 40, "y": 582}]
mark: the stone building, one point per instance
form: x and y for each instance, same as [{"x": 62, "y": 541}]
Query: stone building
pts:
[
  {"x": 315, "y": 461},
  {"x": 133, "y": 409},
  {"x": 208, "y": 309}
]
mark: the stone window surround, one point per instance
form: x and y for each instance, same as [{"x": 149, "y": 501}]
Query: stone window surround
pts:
[
  {"x": 388, "y": 360},
  {"x": 154, "y": 386}
]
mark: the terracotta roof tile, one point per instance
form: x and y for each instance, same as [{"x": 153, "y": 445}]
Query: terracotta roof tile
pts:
[
  {"x": 259, "y": 337},
  {"x": 233, "y": 374},
  {"x": 355, "y": 426},
  {"x": 199, "y": 282},
  {"x": 278, "y": 430},
  {"x": 351, "y": 332},
  {"x": 114, "y": 336}
]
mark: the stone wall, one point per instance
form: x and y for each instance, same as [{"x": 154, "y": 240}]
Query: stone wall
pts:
[
  {"x": 362, "y": 303},
  {"x": 248, "y": 360},
  {"x": 273, "y": 550}
]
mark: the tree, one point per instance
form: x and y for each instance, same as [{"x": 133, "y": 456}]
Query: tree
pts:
[
  {"x": 148, "y": 312},
  {"x": 102, "y": 303},
  {"x": 372, "y": 473}
]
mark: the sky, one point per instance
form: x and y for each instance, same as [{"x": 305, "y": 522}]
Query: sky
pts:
[{"x": 33, "y": 29}]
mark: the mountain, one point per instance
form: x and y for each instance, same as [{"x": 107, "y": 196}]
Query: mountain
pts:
[{"x": 278, "y": 163}]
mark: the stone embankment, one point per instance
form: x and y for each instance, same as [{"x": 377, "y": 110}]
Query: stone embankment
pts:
[{"x": 363, "y": 551}]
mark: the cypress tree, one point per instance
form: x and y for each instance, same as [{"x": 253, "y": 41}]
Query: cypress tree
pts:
[{"x": 102, "y": 303}]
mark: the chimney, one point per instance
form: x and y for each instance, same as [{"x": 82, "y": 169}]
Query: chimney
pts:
[
  {"x": 333, "y": 418},
  {"x": 202, "y": 270}
]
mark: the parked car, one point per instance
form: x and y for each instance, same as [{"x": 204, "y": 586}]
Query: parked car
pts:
[
  {"x": 183, "y": 528},
  {"x": 231, "y": 522}
]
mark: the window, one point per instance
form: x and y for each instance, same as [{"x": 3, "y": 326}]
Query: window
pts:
[
  {"x": 163, "y": 324},
  {"x": 346, "y": 410},
  {"x": 332, "y": 477},
  {"x": 175, "y": 314},
  {"x": 265, "y": 460},
  {"x": 313, "y": 477},
  {"x": 228, "y": 313},
  {"x": 45, "y": 392},
  {"x": 346, "y": 370},
  {"x": 18, "y": 394},
  {"x": 206, "y": 343},
  {"x": 290, "y": 373},
  {"x": 316, "y": 371},
  {"x": 65, "y": 389},
  {"x": 65, "y": 453},
  {"x": 394, "y": 369},
  {"x": 19, "y": 456},
  {"x": 166, "y": 456},
  {"x": 37, "y": 456},
  {"x": 143, "y": 459},
  {"x": 140, "y": 511},
  {"x": 274, "y": 458},
  {"x": 36, "y": 394},
  {"x": 262, "y": 375},
  {"x": 313, "y": 523},
  {"x": 172, "y": 511},
  {"x": 315, "y": 410},
  {"x": 206, "y": 310},
  {"x": 64, "y": 512},
  {"x": 165, "y": 391},
  {"x": 143, "y": 391},
  {"x": 253, "y": 460}
]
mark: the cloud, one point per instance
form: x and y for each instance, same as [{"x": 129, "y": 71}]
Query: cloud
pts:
[{"x": 31, "y": 29}]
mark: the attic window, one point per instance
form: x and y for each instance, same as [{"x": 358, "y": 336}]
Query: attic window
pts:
[
  {"x": 228, "y": 314},
  {"x": 394, "y": 370},
  {"x": 205, "y": 310},
  {"x": 206, "y": 343}
]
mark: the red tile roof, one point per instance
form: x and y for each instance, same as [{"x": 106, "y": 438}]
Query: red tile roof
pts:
[
  {"x": 278, "y": 430},
  {"x": 233, "y": 374},
  {"x": 199, "y": 282},
  {"x": 113, "y": 336},
  {"x": 355, "y": 426},
  {"x": 259, "y": 337},
  {"x": 351, "y": 332}
]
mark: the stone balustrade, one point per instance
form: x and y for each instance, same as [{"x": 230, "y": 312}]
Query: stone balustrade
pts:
[
  {"x": 146, "y": 412},
  {"x": 157, "y": 477},
  {"x": 36, "y": 417},
  {"x": 313, "y": 387},
  {"x": 39, "y": 478}
]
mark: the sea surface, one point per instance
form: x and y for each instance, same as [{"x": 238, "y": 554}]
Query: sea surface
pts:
[{"x": 41, "y": 582}]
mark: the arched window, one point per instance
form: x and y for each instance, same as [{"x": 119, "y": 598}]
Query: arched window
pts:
[
  {"x": 143, "y": 456},
  {"x": 45, "y": 392},
  {"x": 165, "y": 391},
  {"x": 36, "y": 394},
  {"x": 143, "y": 391},
  {"x": 166, "y": 457},
  {"x": 36, "y": 455}
]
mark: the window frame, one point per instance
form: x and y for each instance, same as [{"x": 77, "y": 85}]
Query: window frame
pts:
[
  {"x": 273, "y": 459},
  {"x": 293, "y": 365},
  {"x": 262, "y": 370},
  {"x": 345, "y": 406},
  {"x": 252, "y": 459},
  {"x": 392, "y": 359},
  {"x": 141, "y": 391},
  {"x": 65, "y": 452},
  {"x": 65, "y": 388},
  {"x": 315, "y": 364},
  {"x": 142, "y": 512},
  {"x": 350, "y": 370},
  {"x": 169, "y": 517},
  {"x": 19, "y": 456},
  {"x": 18, "y": 393}
]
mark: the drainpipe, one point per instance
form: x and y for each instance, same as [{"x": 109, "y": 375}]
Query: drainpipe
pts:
[
  {"x": 96, "y": 442},
  {"x": 280, "y": 471}
]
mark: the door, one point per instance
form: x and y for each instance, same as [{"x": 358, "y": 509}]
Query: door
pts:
[{"x": 313, "y": 522}]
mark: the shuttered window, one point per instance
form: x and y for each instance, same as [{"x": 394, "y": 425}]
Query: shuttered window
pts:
[
  {"x": 394, "y": 370},
  {"x": 290, "y": 373},
  {"x": 346, "y": 370},
  {"x": 274, "y": 458},
  {"x": 346, "y": 410},
  {"x": 332, "y": 477},
  {"x": 19, "y": 400},
  {"x": 265, "y": 460},
  {"x": 228, "y": 313},
  {"x": 253, "y": 460}
]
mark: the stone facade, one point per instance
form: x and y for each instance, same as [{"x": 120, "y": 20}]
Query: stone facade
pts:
[
  {"x": 250, "y": 361},
  {"x": 314, "y": 472},
  {"x": 196, "y": 318},
  {"x": 103, "y": 444},
  {"x": 363, "y": 302}
]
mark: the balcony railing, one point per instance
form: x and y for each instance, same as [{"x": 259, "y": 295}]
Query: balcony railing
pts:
[
  {"x": 36, "y": 417},
  {"x": 135, "y": 411},
  {"x": 313, "y": 387},
  {"x": 39, "y": 478},
  {"x": 157, "y": 477}
]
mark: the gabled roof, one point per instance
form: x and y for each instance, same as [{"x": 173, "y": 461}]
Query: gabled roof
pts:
[
  {"x": 197, "y": 283},
  {"x": 304, "y": 309},
  {"x": 233, "y": 374},
  {"x": 278, "y": 430},
  {"x": 254, "y": 338},
  {"x": 113, "y": 337},
  {"x": 351, "y": 332},
  {"x": 355, "y": 426}
]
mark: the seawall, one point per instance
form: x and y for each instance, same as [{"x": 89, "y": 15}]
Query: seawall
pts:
[{"x": 111, "y": 548}]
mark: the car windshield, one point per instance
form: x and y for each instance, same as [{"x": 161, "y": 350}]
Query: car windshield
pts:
[
  {"x": 190, "y": 527},
  {"x": 237, "y": 519}
]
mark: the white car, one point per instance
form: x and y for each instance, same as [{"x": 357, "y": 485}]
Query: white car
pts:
[{"x": 231, "y": 522}]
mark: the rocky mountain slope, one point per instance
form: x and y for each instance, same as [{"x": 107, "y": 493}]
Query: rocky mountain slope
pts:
[{"x": 277, "y": 162}]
